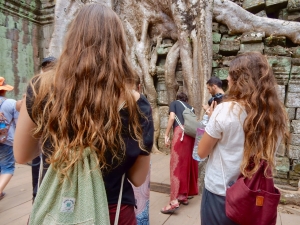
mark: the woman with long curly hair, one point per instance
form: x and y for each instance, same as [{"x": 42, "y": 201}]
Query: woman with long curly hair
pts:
[
  {"x": 75, "y": 106},
  {"x": 248, "y": 126}
]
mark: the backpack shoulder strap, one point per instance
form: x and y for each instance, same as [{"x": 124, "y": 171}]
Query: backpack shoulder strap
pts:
[{"x": 182, "y": 104}]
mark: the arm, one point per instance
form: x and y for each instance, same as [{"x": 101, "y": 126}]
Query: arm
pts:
[
  {"x": 206, "y": 145},
  {"x": 169, "y": 126},
  {"x": 138, "y": 172},
  {"x": 26, "y": 147}
]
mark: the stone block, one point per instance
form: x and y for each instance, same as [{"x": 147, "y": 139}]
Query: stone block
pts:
[
  {"x": 291, "y": 113},
  {"x": 252, "y": 37},
  {"x": 222, "y": 73},
  {"x": 295, "y": 88},
  {"x": 226, "y": 60},
  {"x": 295, "y": 139},
  {"x": 293, "y": 16},
  {"x": 295, "y": 74},
  {"x": 296, "y": 52},
  {"x": 223, "y": 29},
  {"x": 298, "y": 114},
  {"x": 280, "y": 181},
  {"x": 162, "y": 147},
  {"x": 258, "y": 47},
  {"x": 294, "y": 176},
  {"x": 254, "y": 5},
  {"x": 294, "y": 183},
  {"x": 216, "y": 48},
  {"x": 282, "y": 164},
  {"x": 292, "y": 100},
  {"x": 281, "y": 150},
  {"x": 215, "y": 27},
  {"x": 216, "y": 37},
  {"x": 293, "y": 5},
  {"x": 275, "y": 5},
  {"x": 280, "y": 174},
  {"x": 262, "y": 14},
  {"x": 281, "y": 65},
  {"x": 275, "y": 40},
  {"x": 162, "y": 50},
  {"x": 229, "y": 47},
  {"x": 295, "y": 126},
  {"x": 296, "y": 61},
  {"x": 163, "y": 116},
  {"x": 296, "y": 167},
  {"x": 215, "y": 63},
  {"x": 281, "y": 92},
  {"x": 277, "y": 50},
  {"x": 294, "y": 152}
]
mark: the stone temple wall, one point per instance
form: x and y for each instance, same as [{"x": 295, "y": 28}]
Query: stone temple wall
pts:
[{"x": 25, "y": 31}]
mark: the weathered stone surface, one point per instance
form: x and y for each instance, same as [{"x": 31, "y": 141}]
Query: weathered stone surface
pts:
[
  {"x": 252, "y": 37},
  {"x": 293, "y": 16},
  {"x": 281, "y": 92},
  {"x": 162, "y": 147},
  {"x": 294, "y": 176},
  {"x": 293, "y": 5},
  {"x": 296, "y": 61},
  {"x": 298, "y": 114},
  {"x": 163, "y": 116},
  {"x": 164, "y": 49},
  {"x": 215, "y": 27},
  {"x": 280, "y": 181},
  {"x": 162, "y": 133},
  {"x": 258, "y": 47},
  {"x": 215, "y": 63},
  {"x": 222, "y": 73},
  {"x": 262, "y": 14},
  {"x": 216, "y": 48},
  {"x": 295, "y": 75},
  {"x": 280, "y": 174},
  {"x": 223, "y": 29},
  {"x": 295, "y": 88},
  {"x": 282, "y": 164},
  {"x": 294, "y": 183},
  {"x": 294, "y": 152},
  {"x": 295, "y": 125},
  {"x": 296, "y": 52},
  {"x": 296, "y": 167},
  {"x": 254, "y": 5},
  {"x": 281, "y": 65},
  {"x": 229, "y": 45},
  {"x": 277, "y": 50},
  {"x": 281, "y": 150},
  {"x": 295, "y": 139},
  {"x": 275, "y": 40},
  {"x": 275, "y": 5},
  {"x": 226, "y": 60},
  {"x": 216, "y": 37},
  {"x": 179, "y": 75},
  {"x": 291, "y": 113},
  {"x": 293, "y": 100}
]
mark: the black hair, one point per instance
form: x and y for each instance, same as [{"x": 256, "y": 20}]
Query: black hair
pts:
[
  {"x": 214, "y": 81},
  {"x": 182, "y": 97}
]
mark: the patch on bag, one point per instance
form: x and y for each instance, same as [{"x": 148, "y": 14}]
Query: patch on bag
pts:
[
  {"x": 259, "y": 200},
  {"x": 68, "y": 205}
]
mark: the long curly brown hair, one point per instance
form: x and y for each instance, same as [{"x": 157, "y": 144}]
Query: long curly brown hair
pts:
[
  {"x": 254, "y": 86},
  {"x": 76, "y": 104}
]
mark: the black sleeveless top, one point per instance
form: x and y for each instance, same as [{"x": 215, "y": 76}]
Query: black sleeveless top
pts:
[{"x": 112, "y": 178}]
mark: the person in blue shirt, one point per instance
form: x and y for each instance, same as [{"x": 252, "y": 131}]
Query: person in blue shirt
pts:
[{"x": 7, "y": 161}]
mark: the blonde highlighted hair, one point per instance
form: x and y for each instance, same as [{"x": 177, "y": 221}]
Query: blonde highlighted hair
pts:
[
  {"x": 254, "y": 86},
  {"x": 76, "y": 104}
]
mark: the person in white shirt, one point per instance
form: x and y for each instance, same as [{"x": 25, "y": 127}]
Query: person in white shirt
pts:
[{"x": 250, "y": 122}]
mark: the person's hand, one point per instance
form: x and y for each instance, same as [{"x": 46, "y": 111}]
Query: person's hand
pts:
[
  {"x": 212, "y": 107},
  {"x": 167, "y": 141},
  {"x": 2, "y": 117},
  {"x": 205, "y": 107}
]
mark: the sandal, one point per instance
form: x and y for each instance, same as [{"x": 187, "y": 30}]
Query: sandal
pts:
[
  {"x": 2, "y": 195},
  {"x": 183, "y": 202},
  {"x": 171, "y": 210}
]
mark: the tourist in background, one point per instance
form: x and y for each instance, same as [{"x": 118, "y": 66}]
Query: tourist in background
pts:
[
  {"x": 249, "y": 123},
  {"x": 183, "y": 169},
  {"x": 76, "y": 106},
  {"x": 10, "y": 116}
]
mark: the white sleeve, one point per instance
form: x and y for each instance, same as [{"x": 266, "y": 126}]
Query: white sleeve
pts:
[{"x": 214, "y": 127}]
